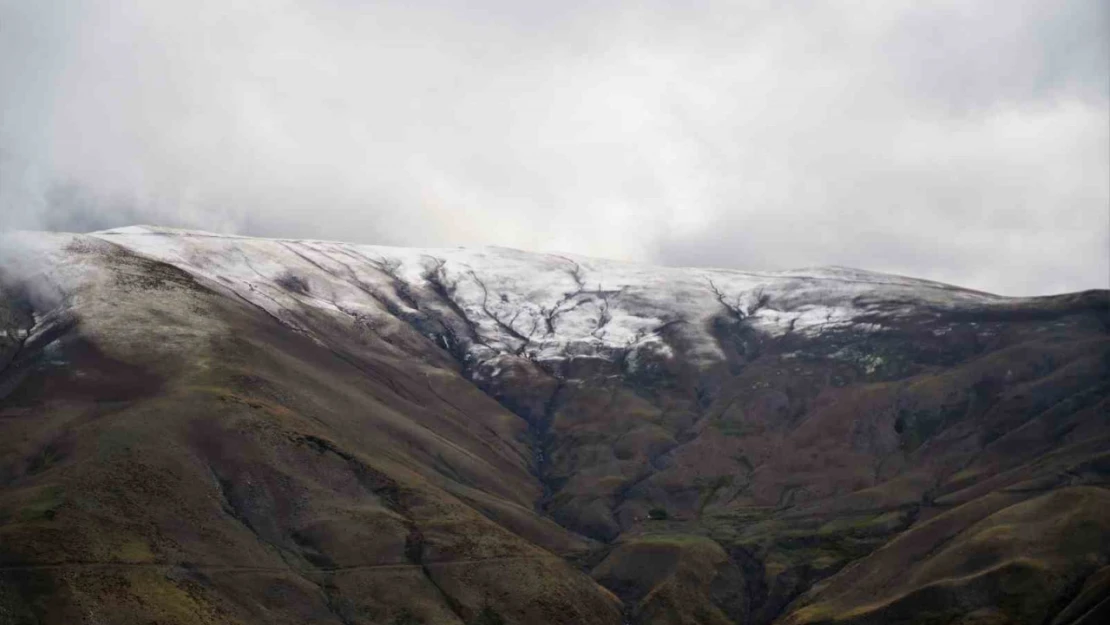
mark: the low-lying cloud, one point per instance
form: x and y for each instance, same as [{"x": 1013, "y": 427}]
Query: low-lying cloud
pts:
[{"x": 964, "y": 143}]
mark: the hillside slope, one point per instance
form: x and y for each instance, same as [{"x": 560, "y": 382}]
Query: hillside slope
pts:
[{"x": 198, "y": 428}]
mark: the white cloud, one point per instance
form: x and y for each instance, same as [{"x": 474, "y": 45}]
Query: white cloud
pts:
[{"x": 965, "y": 143}]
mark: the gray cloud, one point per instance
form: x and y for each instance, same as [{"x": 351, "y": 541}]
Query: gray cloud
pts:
[{"x": 964, "y": 143}]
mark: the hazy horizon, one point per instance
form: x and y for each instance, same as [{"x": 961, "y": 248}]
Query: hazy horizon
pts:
[{"x": 967, "y": 144}]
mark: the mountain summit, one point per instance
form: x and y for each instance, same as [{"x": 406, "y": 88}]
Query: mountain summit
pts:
[{"x": 200, "y": 428}]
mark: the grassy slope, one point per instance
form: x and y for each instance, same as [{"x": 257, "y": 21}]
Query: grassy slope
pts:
[
  {"x": 1005, "y": 558},
  {"x": 799, "y": 463},
  {"x": 181, "y": 457}
]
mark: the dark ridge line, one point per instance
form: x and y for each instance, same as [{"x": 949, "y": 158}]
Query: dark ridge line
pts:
[
  {"x": 436, "y": 277},
  {"x": 507, "y": 327}
]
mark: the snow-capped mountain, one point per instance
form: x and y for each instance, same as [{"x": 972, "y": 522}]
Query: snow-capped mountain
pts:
[
  {"x": 497, "y": 301},
  {"x": 200, "y": 428}
]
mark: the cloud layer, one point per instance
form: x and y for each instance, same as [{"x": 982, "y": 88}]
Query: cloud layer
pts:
[{"x": 964, "y": 142}]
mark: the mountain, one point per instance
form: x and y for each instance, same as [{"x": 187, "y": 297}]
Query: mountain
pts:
[{"x": 198, "y": 428}]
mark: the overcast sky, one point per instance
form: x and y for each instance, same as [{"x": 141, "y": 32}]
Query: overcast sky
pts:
[{"x": 963, "y": 141}]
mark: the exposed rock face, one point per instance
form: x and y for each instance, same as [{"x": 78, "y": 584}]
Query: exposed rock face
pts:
[{"x": 197, "y": 428}]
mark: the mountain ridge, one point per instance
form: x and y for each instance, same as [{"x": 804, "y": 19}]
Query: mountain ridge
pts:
[
  {"x": 163, "y": 230},
  {"x": 528, "y": 438}
]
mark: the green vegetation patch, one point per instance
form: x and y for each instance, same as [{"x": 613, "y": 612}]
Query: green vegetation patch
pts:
[
  {"x": 879, "y": 524},
  {"x": 43, "y": 504},
  {"x": 488, "y": 616},
  {"x": 672, "y": 540}
]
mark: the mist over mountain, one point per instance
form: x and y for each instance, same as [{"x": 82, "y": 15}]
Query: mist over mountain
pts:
[
  {"x": 955, "y": 142},
  {"x": 490, "y": 312}
]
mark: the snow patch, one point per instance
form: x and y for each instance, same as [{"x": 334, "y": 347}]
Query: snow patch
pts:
[{"x": 499, "y": 302}]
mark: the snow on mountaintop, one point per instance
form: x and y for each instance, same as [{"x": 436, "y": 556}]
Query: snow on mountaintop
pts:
[{"x": 547, "y": 307}]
